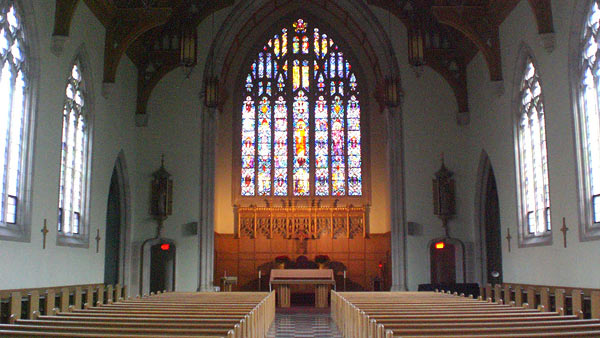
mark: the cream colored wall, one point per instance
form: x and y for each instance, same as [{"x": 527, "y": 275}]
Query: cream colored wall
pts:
[
  {"x": 491, "y": 129},
  {"x": 26, "y": 264},
  {"x": 430, "y": 129}
]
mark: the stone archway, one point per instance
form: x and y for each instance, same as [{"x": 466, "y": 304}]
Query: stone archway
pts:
[{"x": 374, "y": 62}]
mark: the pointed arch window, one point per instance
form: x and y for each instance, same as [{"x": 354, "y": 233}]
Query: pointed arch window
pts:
[
  {"x": 588, "y": 123},
  {"x": 15, "y": 97},
  {"x": 74, "y": 160},
  {"x": 533, "y": 160},
  {"x": 301, "y": 119}
]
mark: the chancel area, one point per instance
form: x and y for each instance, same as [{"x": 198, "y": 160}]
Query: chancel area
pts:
[{"x": 279, "y": 168}]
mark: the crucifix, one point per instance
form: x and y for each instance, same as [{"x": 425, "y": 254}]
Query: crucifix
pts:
[
  {"x": 97, "y": 240},
  {"x": 508, "y": 237},
  {"x": 44, "y": 233},
  {"x": 564, "y": 230}
]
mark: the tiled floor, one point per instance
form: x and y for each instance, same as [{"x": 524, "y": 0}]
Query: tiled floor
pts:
[{"x": 318, "y": 325}]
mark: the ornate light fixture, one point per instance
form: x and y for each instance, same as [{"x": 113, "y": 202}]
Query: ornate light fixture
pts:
[
  {"x": 392, "y": 92},
  {"x": 188, "y": 44},
  {"x": 444, "y": 205},
  {"x": 161, "y": 204},
  {"x": 416, "y": 41},
  {"x": 211, "y": 92}
]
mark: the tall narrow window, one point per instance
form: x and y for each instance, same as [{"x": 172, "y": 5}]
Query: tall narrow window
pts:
[
  {"x": 301, "y": 130},
  {"x": 533, "y": 159},
  {"x": 14, "y": 87},
  {"x": 588, "y": 112},
  {"x": 74, "y": 156}
]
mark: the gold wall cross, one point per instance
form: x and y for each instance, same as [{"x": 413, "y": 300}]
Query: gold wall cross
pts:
[
  {"x": 97, "y": 240},
  {"x": 564, "y": 230},
  {"x": 44, "y": 233}
]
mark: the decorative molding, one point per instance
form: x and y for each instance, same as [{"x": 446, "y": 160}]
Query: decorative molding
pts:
[
  {"x": 141, "y": 120},
  {"x": 548, "y": 41},
  {"x": 463, "y": 118},
  {"x": 107, "y": 89},
  {"x": 497, "y": 88},
  {"x": 57, "y": 44},
  {"x": 302, "y": 222}
]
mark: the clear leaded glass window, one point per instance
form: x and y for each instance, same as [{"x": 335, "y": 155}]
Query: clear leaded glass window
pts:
[
  {"x": 301, "y": 132},
  {"x": 13, "y": 89},
  {"x": 589, "y": 91},
  {"x": 535, "y": 194},
  {"x": 73, "y": 156}
]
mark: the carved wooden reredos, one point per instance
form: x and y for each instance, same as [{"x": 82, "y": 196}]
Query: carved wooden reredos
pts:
[{"x": 306, "y": 222}]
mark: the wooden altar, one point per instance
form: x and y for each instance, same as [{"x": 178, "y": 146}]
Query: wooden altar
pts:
[{"x": 322, "y": 279}]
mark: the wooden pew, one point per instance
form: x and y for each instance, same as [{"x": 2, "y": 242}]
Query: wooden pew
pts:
[
  {"x": 410, "y": 314},
  {"x": 232, "y": 315}
]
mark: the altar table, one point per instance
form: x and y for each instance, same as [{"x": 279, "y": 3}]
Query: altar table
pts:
[{"x": 322, "y": 279}]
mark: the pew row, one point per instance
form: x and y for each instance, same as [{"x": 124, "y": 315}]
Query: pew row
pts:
[
  {"x": 27, "y": 303},
  {"x": 437, "y": 315},
  {"x": 176, "y": 314},
  {"x": 581, "y": 302}
]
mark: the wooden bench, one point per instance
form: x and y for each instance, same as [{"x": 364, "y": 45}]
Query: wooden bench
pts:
[
  {"x": 437, "y": 314},
  {"x": 232, "y": 315}
]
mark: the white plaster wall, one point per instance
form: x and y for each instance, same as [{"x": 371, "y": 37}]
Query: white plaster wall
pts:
[
  {"x": 491, "y": 129},
  {"x": 24, "y": 265},
  {"x": 173, "y": 129}
]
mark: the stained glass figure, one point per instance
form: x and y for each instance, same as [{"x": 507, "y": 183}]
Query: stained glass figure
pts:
[
  {"x": 296, "y": 44},
  {"x": 248, "y": 146},
  {"x": 305, "y": 44},
  {"x": 281, "y": 121},
  {"x": 281, "y": 146},
  {"x": 321, "y": 148}
]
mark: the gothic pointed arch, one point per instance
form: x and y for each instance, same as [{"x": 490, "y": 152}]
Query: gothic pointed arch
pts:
[
  {"x": 301, "y": 118},
  {"x": 19, "y": 77}
]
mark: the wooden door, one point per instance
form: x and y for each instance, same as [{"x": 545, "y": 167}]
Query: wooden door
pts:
[{"x": 443, "y": 263}]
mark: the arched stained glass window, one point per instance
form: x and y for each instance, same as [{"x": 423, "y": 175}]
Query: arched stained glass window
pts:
[
  {"x": 74, "y": 156},
  {"x": 301, "y": 115},
  {"x": 589, "y": 91},
  {"x": 13, "y": 119},
  {"x": 533, "y": 158}
]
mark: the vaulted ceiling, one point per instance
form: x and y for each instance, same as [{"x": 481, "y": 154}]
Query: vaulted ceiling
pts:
[{"x": 149, "y": 32}]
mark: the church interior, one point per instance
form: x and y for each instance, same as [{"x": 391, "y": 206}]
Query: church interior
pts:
[{"x": 254, "y": 159}]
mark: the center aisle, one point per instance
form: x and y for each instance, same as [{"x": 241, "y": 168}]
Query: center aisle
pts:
[{"x": 303, "y": 324}]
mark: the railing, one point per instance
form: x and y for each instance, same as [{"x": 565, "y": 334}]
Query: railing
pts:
[
  {"x": 581, "y": 302},
  {"x": 30, "y": 303}
]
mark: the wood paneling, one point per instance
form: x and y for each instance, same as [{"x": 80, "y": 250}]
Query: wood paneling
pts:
[{"x": 242, "y": 257}]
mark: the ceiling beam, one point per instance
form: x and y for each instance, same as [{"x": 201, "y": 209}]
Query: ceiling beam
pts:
[
  {"x": 63, "y": 15},
  {"x": 481, "y": 32},
  {"x": 542, "y": 9},
  {"x": 125, "y": 27}
]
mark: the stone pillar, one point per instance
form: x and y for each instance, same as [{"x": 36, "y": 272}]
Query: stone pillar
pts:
[
  {"x": 206, "y": 228},
  {"x": 398, "y": 226}
]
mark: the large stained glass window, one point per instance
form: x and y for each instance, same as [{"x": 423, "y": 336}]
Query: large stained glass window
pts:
[
  {"x": 301, "y": 132},
  {"x": 13, "y": 95},
  {"x": 74, "y": 156},
  {"x": 533, "y": 156},
  {"x": 589, "y": 97}
]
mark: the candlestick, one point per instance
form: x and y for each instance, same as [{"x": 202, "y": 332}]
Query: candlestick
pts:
[
  {"x": 344, "y": 274},
  {"x": 259, "y": 274}
]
